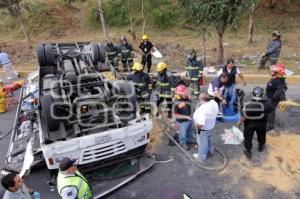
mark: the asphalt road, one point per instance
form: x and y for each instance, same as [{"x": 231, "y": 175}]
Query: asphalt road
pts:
[{"x": 180, "y": 174}]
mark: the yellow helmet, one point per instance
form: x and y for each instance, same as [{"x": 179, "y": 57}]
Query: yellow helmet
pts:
[
  {"x": 137, "y": 66},
  {"x": 161, "y": 66},
  {"x": 145, "y": 37}
]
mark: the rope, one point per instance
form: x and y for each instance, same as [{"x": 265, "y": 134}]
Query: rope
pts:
[{"x": 164, "y": 126}]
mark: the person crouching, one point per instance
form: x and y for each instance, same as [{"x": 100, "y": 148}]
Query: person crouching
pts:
[{"x": 182, "y": 114}]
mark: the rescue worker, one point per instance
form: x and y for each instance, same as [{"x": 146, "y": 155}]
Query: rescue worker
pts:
[
  {"x": 254, "y": 117},
  {"x": 112, "y": 54},
  {"x": 126, "y": 54},
  {"x": 231, "y": 71},
  {"x": 216, "y": 90},
  {"x": 3, "y": 108},
  {"x": 182, "y": 114},
  {"x": 165, "y": 86},
  {"x": 143, "y": 86},
  {"x": 70, "y": 182},
  {"x": 194, "y": 71},
  {"x": 272, "y": 51},
  {"x": 146, "y": 48},
  {"x": 275, "y": 91}
]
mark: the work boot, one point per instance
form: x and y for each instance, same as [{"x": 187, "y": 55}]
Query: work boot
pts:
[
  {"x": 248, "y": 154},
  {"x": 171, "y": 143},
  {"x": 261, "y": 147}
]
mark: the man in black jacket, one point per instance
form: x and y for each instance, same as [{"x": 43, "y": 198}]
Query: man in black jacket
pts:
[
  {"x": 254, "y": 117},
  {"x": 275, "y": 91}
]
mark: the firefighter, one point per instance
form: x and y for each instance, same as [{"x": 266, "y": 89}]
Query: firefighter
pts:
[
  {"x": 254, "y": 117},
  {"x": 275, "y": 91},
  {"x": 194, "y": 71},
  {"x": 165, "y": 86},
  {"x": 146, "y": 48},
  {"x": 143, "y": 86},
  {"x": 272, "y": 51},
  {"x": 112, "y": 54},
  {"x": 126, "y": 54},
  {"x": 70, "y": 182}
]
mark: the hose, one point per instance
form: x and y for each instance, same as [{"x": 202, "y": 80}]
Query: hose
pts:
[{"x": 165, "y": 126}]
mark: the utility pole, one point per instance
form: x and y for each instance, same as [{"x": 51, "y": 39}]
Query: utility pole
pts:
[{"x": 102, "y": 19}]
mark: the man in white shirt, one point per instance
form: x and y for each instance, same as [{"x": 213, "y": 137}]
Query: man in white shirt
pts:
[{"x": 205, "y": 120}]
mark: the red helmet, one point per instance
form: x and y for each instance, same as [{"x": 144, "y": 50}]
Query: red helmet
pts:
[
  {"x": 181, "y": 90},
  {"x": 279, "y": 68}
]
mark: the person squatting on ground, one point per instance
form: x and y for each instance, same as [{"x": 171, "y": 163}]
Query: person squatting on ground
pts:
[
  {"x": 146, "y": 48},
  {"x": 16, "y": 189},
  {"x": 205, "y": 120},
  {"x": 5, "y": 62},
  {"x": 126, "y": 54},
  {"x": 254, "y": 117},
  {"x": 216, "y": 90},
  {"x": 275, "y": 91},
  {"x": 182, "y": 114},
  {"x": 70, "y": 182},
  {"x": 194, "y": 71},
  {"x": 230, "y": 90},
  {"x": 165, "y": 86},
  {"x": 112, "y": 54},
  {"x": 143, "y": 86},
  {"x": 272, "y": 51}
]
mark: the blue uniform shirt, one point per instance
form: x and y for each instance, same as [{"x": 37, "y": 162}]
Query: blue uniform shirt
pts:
[{"x": 4, "y": 59}]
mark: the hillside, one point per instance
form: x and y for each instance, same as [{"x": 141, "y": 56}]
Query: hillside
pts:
[{"x": 57, "y": 21}]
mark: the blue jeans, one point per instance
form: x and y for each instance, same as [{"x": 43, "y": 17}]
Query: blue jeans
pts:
[
  {"x": 230, "y": 95},
  {"x": 185, "y": 132},
  {"x": 205, "y": 142}
]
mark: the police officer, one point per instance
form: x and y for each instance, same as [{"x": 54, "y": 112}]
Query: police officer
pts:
[
  {"x": 70, "y": 182},
  {"x": 275, "y": 91},
  {"x": 272, "y": 51},
  {"x": 112, "y": 54},
  {"x": 165, "y": 86},
  {"x": 195, "y": 71},
  {"x": 146, "y": 48},
  {"x": 254, "y": 117},
  {"x": 126, "y": 54},
  {"x": 143, "y": 86}
]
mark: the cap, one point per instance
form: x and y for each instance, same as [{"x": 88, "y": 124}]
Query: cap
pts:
[{"x": 66, "y": 163}]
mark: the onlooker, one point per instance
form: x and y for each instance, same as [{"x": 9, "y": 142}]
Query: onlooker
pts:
[
  {"x": 272, "y": 51},
  {"x": 205, "y": 120},
  {"x": 70, "y": 182},
  {"x": 182, "y": 114},
  {"x": 254, "y": 117},
  {"x": 16, "y": 189},
  {"x": 216, "y": 89},
  {"x": 146, "y": 48},
  {"x": 7, "y": 66},
  {"x": 231, "y": 71}
]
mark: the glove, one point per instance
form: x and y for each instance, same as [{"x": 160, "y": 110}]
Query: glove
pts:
[
  {"x": 239, "y": 124},
  {"x": 36, "y": 195}
]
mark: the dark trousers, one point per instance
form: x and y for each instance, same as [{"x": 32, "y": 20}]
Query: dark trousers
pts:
[
  {"x": 249, "y": 133},
  {"x": 195, "y": 87},
  {"x": 169, "y": 106},
  {"x": 271, "y": 116},
  {"x": 144, "y": 105},
  {"x": 147, "y": 61},
  {"x": 264, "y": 59},
  {"x": 127, "y": 64}
]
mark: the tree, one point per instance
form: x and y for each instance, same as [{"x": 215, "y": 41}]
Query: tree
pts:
[
  {"x": 144, "y": 14},
  {"x": 131, "y": 30},
  {"x": 102, "y": 19},
  {"x": 13, "y": 6},
  {"x": 252, "y": 6},
  {"x": 216, "y": 13}
]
